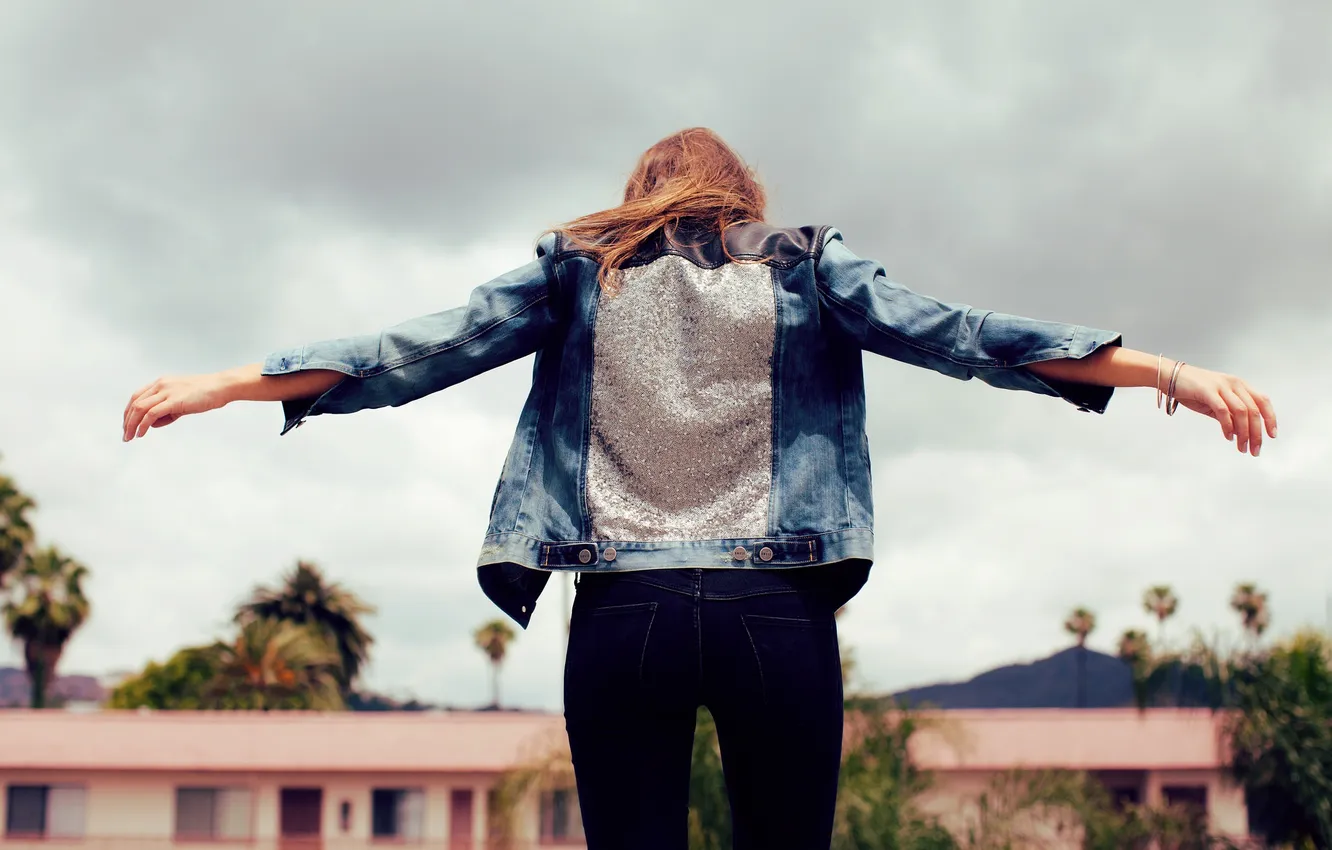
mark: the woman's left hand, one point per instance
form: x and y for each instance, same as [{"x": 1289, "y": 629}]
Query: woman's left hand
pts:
[{"x": 1243, "y": 412}]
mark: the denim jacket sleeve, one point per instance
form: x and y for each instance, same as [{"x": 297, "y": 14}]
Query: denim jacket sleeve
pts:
[
  {"x": 957, "y": 340},
  {"x": 505, "y": 319}
]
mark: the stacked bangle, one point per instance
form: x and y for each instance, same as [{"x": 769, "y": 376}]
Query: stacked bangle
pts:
[{"x": 1171, "y": 403}]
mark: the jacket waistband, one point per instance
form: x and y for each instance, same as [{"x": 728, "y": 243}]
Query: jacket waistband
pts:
[
  {"x": 514, "y": 568},
  {"x": 611, "y": 555}
]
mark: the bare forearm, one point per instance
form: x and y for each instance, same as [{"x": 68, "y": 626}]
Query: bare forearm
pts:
[
  {"x": 1112, "y": 366},
  {"x": 245, "y": 383},
  {"x": 167, "y": 399}
]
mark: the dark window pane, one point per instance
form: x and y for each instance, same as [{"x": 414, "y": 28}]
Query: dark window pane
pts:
[
  {"x": 302, "y": 812},
  {"x": 560, "y": 818},
  {"x": 1194, "y": 796},
  {"x": 559, "y": 825},
  {"x": 384, "y": 804},
  {"x": 1191, "y": 799},
  {"x": 196, "y": 813},
  {"x": 1124, "y": 797},
  {"x": 26, "y": 808}
]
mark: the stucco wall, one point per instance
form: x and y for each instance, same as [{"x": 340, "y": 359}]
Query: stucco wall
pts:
[
  {"x": 954, "y": 796},
  {"x": 125, "y": 810}
]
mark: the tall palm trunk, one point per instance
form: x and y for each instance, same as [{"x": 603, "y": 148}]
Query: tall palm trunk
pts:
[
  {"x": 37, "y": 676},
  {"x": 494, "y": 684},
  {"x": 40, "y": 665}
]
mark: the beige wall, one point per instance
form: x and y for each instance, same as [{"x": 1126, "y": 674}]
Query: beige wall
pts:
[
  {"x": 954, "y": 796},
  {"x": 1225, "y": 800},
  {"x": 125, "y": 810}
]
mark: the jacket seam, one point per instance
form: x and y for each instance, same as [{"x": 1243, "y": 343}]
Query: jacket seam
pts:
[
  {"x": 453, "y": 343},
  {"x": 589, "y": 385},
  {"x": 819, "y": 243},
  {"x": 775, "y": 411},
  {"x": 559, "y": 290},
  {"x": 911, "y": 342},
  {"x": 531, "y": 452},
  {"x": 841, "y": 451}
]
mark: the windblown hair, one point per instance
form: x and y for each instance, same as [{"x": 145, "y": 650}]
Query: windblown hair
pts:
[{"x": 688, "y": 180}]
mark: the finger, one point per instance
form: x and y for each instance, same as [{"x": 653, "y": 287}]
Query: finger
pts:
[
  {"x": 1239, "y": 414},
  {"x": 1268, "y": 411},
  {"x": 124, "y": 421},
  {"x": 1221, "y": 413},
  {"x": 137, "y": 411},
  {"x": 1254, "y": 416},
  {"x": 158, "y": 412}
]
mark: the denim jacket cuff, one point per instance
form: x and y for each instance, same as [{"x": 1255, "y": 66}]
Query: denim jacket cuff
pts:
[
  {"x": 1089, "y": 398},
  {"x": 294, "y": 411}
]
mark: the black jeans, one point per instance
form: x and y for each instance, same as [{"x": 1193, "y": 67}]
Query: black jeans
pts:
[{"x": 759, "y": 649}]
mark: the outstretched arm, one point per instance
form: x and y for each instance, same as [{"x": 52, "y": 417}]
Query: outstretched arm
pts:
[
  {"x": 1242, "y": 411},
  {"x": 1080, "y": 364},
  {"x": 505, "y": 319},
  {"x": 167, "y": 399}
]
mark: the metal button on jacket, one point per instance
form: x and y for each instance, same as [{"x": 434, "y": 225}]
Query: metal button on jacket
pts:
[
  {"x": 765, "y": 553},
  {"x": 584, "y": 555},
  {"x": 739, "y": 554},
  {"x": 609, "y": 554}
]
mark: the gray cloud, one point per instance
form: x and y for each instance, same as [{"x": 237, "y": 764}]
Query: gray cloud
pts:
[
  {"x": 187, "y": 187},
  {"x": 1104, "y": 164}
]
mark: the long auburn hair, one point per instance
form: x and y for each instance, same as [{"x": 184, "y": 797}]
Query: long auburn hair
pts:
[{"x": 691, "y": 178}]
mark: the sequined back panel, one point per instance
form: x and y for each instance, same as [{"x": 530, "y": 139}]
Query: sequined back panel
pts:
[{"x": 681, "y": 418}]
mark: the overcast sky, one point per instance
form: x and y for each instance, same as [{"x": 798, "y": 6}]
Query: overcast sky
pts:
[{"x": 186, "y": 187}]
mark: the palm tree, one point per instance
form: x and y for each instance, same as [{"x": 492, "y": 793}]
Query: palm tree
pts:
[
  {"x": 1279, "y": 736},
  {"x": 275, "y": 664},
  {"x": 1134, "y": 646},
  {"x": 306, "y": 598},
  {"x": 1251, "y": 604},
  {"x": 547, "y": 765},
  {"x": 16, "y": 535},
  {"x": 493, "y": 639},
  {"x": 1080, "y": 624},
  {"x": 49, "y": 608},
  {"x": 1136, "y": 650},
  {"x": 1161, "y": 601}
]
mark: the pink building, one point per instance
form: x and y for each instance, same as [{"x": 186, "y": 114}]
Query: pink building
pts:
[
  {"x": 129, "y": 780},
  {"x": 1156, "y": 757}
]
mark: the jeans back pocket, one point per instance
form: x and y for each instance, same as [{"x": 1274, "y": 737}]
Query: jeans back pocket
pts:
[
  {"x": 797, "y": 657},
  {"x": 607, "y": 648}
]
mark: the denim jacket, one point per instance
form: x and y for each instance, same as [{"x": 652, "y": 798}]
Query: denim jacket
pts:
[{"x": 709, "y": 411}]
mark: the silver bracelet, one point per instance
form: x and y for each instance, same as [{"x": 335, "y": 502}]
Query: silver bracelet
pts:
[{"x": 1172, "y": 403}]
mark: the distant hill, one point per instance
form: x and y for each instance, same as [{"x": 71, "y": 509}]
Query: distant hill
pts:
[
  {"x": 16, "y": 691},
  {"x": 1048, "y": 683}
]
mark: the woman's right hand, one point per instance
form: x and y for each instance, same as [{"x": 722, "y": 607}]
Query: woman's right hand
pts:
[
  {"x": 169, "y": 398},
  {"x": 1241, "y": 410}
]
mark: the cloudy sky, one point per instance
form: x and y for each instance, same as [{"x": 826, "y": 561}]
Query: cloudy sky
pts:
[{"x": 185, "y": 187}]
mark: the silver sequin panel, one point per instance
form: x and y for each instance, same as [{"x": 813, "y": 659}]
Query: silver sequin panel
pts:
[{"x": 681, "y": 418}]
